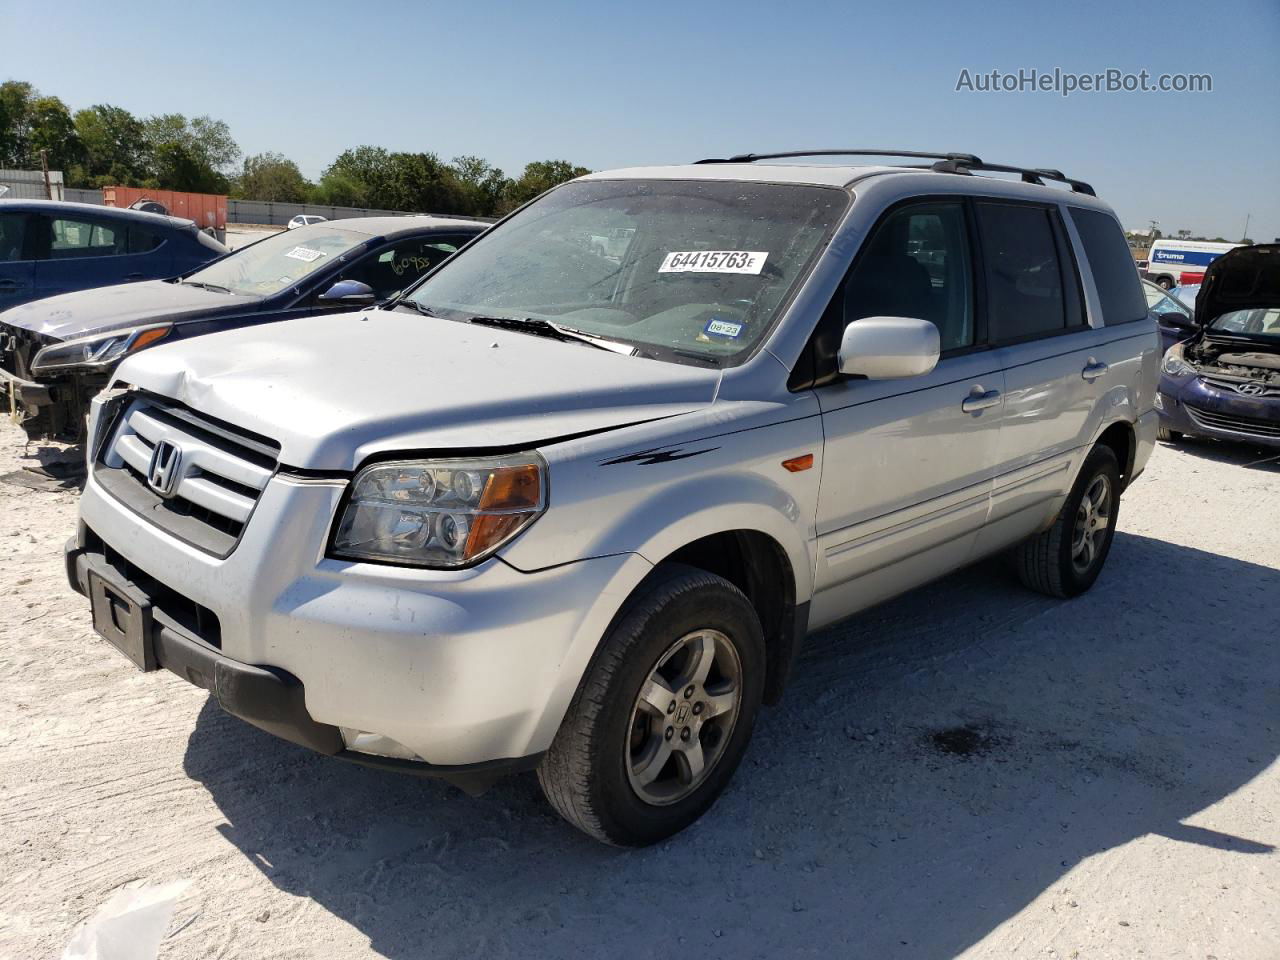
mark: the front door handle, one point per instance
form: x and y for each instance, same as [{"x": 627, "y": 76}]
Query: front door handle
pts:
[
  {"x": 1094, "y": 369},
  {"x": 135, "y": 276},
  {"x": 979, "y": 399},
  {"x": 9, "y": 285}
]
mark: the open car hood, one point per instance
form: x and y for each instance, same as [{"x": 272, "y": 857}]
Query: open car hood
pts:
[
  {"x": 1246, "y": 278},
  {"x": 334, "y": 390}
]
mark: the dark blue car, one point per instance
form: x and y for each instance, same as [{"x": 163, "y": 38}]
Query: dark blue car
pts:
[
  {"x": 55, "y": 354},
  {"x": 49, "y": 247},
  {"x": 1223, "y": 381}
]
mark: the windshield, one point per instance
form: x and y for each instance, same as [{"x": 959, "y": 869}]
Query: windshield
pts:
[
  {"x": 280, "y": 261},
  {"x": 691, "y": 271},
  {"x": 1254, "y": 323}
]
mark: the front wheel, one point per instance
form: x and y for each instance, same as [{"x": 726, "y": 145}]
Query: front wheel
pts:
[
  {"x": 1064, "y": 560},
  {"x": 663, "y": 715}
]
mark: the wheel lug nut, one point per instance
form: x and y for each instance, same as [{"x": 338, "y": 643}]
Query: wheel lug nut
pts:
[
  {"x": 671, "y": 707},
  {"x": 697, "y": 707},
  {"x": 685, "y": 734},
  {"x": 670, "y": 732},
  {"x": 688, "y": 693}
]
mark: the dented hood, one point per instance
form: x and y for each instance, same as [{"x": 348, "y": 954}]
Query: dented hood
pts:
[
  {"x": 334, "y": 390},
  {"x": 100, "y": 309}
]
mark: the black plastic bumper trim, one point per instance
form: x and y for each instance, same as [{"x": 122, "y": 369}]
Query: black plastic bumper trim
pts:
[{"x": 273, "y": 699}]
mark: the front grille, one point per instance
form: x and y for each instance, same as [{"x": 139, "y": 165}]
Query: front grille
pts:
[
  {"x": 210, "y": 489},
  {"x": 1227, "y": 383},
  {"x": 18, "y": 348},
  {"x": 1269, "y": 429}
]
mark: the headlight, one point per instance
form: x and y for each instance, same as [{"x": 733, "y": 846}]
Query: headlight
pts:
[
  {"x": 97, "y": 352},
  {"x": 1174, "y": 365},
  {"x": 440, "y": 513}
]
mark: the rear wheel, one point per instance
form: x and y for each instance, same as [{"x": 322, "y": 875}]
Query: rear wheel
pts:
[
  {"x": 664, "y": 713},
  {"x": 1066, "y": 559},
  {"x": 1165, "y": 283}
]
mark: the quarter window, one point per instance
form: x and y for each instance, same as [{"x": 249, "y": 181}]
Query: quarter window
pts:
[
  {"x": 1025, "y": 290},
  {"x": 1111, "y": 263},
  {"x": 917, "y": 264}
]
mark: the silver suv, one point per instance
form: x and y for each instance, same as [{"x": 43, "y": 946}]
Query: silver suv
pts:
[{"x": 574, "y": 510}]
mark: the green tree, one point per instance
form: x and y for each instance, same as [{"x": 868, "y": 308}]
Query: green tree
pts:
[
  {"x": 271, "y": 176},
  {"x": 54, "y": 132},
  {"x": 418, "y": 182},
  {"x": 115, "y": 148},
  {"x": 538, "y": 177},
  {"x": 191, "y": 154},
  {"x": 483, "y": 185},
  {"x": 15, "y": 123}
]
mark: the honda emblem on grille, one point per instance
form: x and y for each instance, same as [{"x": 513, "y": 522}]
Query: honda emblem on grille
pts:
[
  {"x": 163, "y": 472},
  {"x": 1251, "y": 389}
]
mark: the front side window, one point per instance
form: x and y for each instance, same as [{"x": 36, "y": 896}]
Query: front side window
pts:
[
  {"x": 13, "y": 232},
  {"x": 688, "y": 271},
  {"x": 280, "y": 261},
  {"x": 1111, "y": 264},
  {"x": 1025, "y": 290},
  {"x": 917, "y": 265},
  {"x": 390, "y": 270}
]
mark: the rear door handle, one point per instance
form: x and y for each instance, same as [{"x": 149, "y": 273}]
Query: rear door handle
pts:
[
  {"x": 135, "y": 276},
  {"x": 9, "y": 285},
  {"x": 979, "y": 399},
  {"x": 1094, "y": 369}
]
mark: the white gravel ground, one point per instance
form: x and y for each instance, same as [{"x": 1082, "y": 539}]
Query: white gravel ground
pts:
[{"x": 1123, "y": 800}]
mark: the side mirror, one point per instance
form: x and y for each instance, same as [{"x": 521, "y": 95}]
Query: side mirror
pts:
[
  {"x": 1175, "y": 319},
  {"x": 887, "y": 348},
  {"x": 348, "y": 293}
]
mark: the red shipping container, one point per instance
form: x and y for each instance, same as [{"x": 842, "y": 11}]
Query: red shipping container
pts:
[{"x": 208, "y": 210}]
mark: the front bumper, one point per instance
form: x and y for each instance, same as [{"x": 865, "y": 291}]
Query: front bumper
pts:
[
  {"x": 1189, "y": 405},
  {"x": 271, "y": 699},
  {"x": 461, "y": 667}
]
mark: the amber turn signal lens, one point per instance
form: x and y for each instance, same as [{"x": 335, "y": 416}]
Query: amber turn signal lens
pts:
[
  {"x": 508, "y": 488},
  {"x": 148, "y": 337},
  {"x": 796, "y": 464}
]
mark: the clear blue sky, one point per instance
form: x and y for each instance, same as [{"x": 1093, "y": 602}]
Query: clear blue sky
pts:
[{"x": 607, "y": 85}]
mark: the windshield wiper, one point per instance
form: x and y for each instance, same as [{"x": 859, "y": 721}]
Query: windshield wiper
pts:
[
  {"x": 206, "y": 286},
  {"x": 546, "y": 328},
  {"x": 415, "y": 305}
]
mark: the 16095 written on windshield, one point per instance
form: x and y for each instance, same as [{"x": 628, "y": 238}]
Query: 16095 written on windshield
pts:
[{"x": 683, "y": 270}]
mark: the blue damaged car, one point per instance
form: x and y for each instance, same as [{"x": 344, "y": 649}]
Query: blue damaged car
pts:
[{"x": 1223, "y": 382}]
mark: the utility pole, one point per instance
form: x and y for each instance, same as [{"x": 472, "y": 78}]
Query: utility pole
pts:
[
  {"x": 1247, "y": 218},
  {"x": 1152, "y": 232},
  {"x": 44, "y": 165}
]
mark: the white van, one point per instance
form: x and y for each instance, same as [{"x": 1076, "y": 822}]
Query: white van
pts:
[{"x": 1175, "y": 263}]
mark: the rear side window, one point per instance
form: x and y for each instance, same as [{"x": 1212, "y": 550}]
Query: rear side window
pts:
[
  {"x": 73, "y": 237},
  {"x": 1111, "y": 264},
  {"x": 1026, "y": 293}
]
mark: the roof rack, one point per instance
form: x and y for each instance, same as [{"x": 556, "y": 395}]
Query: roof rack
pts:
[{"x": 961, "y": 163}]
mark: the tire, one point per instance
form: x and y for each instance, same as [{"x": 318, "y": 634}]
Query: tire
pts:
[
  {"x": 1048, "y": 562},
  {"x": 589, "y": 775},
  {"x": 1165, "y": 283},
  {"x": 1166, "y": 435}
]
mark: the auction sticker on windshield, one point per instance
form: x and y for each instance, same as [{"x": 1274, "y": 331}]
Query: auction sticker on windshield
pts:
[
  {"x": 714, "y": 261},
  {"x": 307, "y": 255}
]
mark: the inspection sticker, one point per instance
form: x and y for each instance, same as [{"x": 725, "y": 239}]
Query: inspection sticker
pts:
[
  {"x": 307, "y": 255},
  {"x": 723, "y": 328},
  {"x": 714, "y": 261}
]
